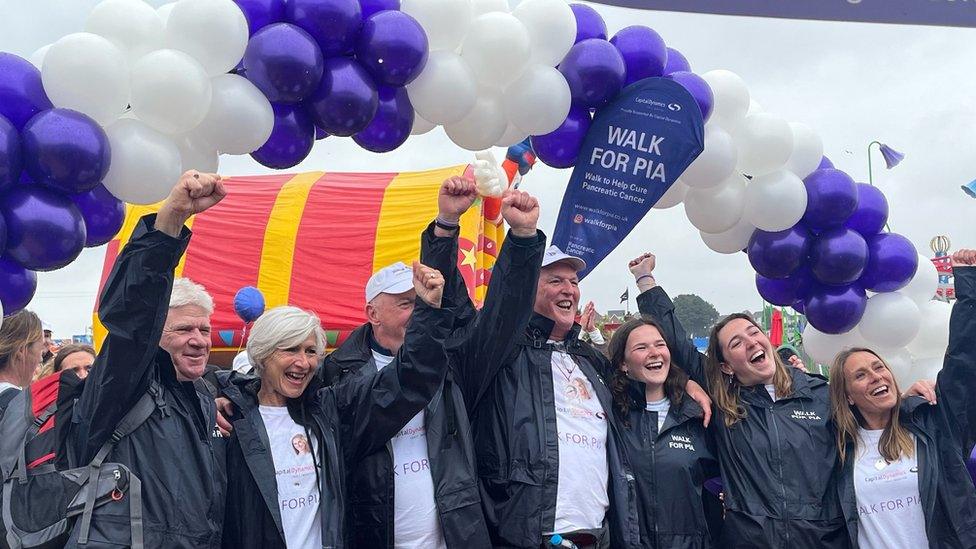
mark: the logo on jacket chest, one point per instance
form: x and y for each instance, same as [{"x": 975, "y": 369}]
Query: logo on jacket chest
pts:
[
  {"x": 681, "y": 442},
  {"x": 805, "y": 415}
]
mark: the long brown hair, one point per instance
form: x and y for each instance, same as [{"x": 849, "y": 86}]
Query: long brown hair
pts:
[
  {"x": 674, "y": 383},
  {"x": 724, "y": 388},
  {"x": 895, "y": 441},
  {"x": 18, "y": 331}
]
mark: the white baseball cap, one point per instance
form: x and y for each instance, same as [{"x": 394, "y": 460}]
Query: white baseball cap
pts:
[
  {"x": 554, "y": 254},
  {"x": 392, "y": 279}
]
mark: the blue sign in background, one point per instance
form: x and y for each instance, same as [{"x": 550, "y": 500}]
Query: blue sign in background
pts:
[{"x": 635, "y": 150}]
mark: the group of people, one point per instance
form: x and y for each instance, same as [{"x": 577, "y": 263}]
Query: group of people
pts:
[{"x": 438, "y": 425}]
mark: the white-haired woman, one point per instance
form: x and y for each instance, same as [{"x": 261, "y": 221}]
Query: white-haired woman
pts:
[
  {"x": 279, "y": 497},
  {"x": 905, "y": 482}
]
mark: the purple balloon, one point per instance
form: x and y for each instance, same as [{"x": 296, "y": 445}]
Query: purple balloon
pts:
[
  {"x": 595, "y": 71},
  {"x": 971, "y": 465},
  {"x": 320, "y": 133},
  {"x": 589, "y": 24},
  {"x": 11, "y": 161},
  {"x": 261, "y": 13},
  {"x": 831, "y": 199},
  {"x": 677, "y": 62},
  {"x": 45, "y": 231},
  {"x": 778, "y": 254},
  {"x": 798, "y": 306},
  {"x": 835, "y": 309},
  {"x": 66, "y": 150},
  {"x": 698, "y": 88},
  {"x": 892, "y": 263},
  {"x": 103, "y": 215},
  {"x": 335, "y": 24},
  {"x": 643, "y": 51},
  {"x": 291, "y": 139},
  {"x": 346, "y": 100},
  {"x": 3, "y": 233},
  {"x": 18, "y": 287},
  {"x": 838, "y": 256},
  {"x": 370, "y": 7},
  {"x": 825, "y": 164},
  {"x": 560, "y": 148},
  {"x": 21, "y": 92},
  {"x": 284, "y": 62},
  {"x": 392, "y": 124},
  {"x": 785, "y": 291},
  {"x": 871, "y": 213},
  {"x": 392, "y": 47}
]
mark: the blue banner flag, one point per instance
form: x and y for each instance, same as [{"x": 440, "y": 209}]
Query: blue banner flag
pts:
[
  {"x": 945, "y": 13},
  {"x": 635, "y": 150}
]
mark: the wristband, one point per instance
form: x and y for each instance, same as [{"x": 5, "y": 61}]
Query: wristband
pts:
[
  {"x": 642, "y": 277},
  {"x": 438, "y": 222}
]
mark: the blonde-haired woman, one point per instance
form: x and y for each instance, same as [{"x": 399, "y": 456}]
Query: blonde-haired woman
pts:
[
  {"x": 21, "y": 349},
  {"x": 905, "y": 482}
]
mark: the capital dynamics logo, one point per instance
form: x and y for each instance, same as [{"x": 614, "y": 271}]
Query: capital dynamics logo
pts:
[{"x": 674, "y": 107}]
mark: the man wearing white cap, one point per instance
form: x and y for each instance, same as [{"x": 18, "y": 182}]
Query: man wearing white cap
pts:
[{"x": 421, "y": 491}]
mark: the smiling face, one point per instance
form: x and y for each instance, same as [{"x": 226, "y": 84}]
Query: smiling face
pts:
[
  {"x": 186, "y": 337},
  {"x": 287, "y": 372},
  {"x": 747, "y": 353},
  {"x": 647, "y": 357},
  {"x": 870, "y": 384},
  {"x": 557, "y": 296}
]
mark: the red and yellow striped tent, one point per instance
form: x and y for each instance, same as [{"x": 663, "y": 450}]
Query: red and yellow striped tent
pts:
[{"x": 313, "y": 239}]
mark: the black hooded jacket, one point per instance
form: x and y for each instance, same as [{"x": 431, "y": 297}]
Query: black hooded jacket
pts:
[
  {"x": 778, "y": 464},
  {"x": 945, "y": 435},
  {"x": 349, "y": 420}
]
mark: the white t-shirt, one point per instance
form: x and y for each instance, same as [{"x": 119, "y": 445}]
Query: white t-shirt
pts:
[
  {"x": 581, "y": 425},
  {"x": 4, "y": 386},
  {"x": 416, "y": 522},
  {"x": 771, "y": 389},
  {"x": 298, "y": 494},
  {"x": 889, "y": 507},
  {"x": 661, "y": 407}
]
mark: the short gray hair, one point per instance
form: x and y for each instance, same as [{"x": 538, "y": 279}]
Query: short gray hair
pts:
[
  {"x": 282, "y": 328},
  {"x": 188, "y": 292}
]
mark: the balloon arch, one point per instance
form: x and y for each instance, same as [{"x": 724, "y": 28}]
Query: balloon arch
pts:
[{"x": 114, "y": 114}]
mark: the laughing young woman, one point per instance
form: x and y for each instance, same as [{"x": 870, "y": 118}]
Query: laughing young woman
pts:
[{"x": 905, "y": 480}]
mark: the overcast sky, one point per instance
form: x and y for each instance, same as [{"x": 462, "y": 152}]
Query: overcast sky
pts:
[{"x": 910, "y": 87}]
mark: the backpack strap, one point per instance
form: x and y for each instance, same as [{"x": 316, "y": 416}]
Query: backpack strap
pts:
[
  {"x": 6, "y": 397},
  {"x": 133, "y": 419}
]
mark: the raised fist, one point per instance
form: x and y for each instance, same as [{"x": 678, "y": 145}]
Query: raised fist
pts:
[
  {"x": 456, "y": 195},
  {"x": 521, "y": 211},
  {"x": 643, "y": 265},
  {"x": 428, "y": 283}
]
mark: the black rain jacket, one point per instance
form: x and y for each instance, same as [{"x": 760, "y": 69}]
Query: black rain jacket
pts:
[
  {"x": 945, "y": 435},
  {"x": 778, "y": 464}
]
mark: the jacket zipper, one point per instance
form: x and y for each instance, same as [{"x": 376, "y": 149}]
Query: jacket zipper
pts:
[
  {"x": 782, "y": 481},
  {"x": 652, "y": 442}
]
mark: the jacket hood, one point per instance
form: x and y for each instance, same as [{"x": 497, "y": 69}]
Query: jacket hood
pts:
[
  {"x": 349, "y": 356},
  {"x": 683, "y": 411},
  {"x": 541, "y": 326}
]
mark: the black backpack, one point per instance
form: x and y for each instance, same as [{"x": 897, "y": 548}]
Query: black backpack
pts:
[{"x": 41, "y": 504}]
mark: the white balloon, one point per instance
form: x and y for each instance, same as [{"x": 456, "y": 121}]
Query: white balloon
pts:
[
  {"x": 87, "y": 73},
  {"x": 483, "y": 126},
  {"x": 674, "y": 196},
  {"x": 933, "y": 335},
  {"x": 899, "y": 361},
  {"x": 164, "y": 11},
  {"x": 824, "y": 347},
  {"x": 731, "y": 241},
  {"x": 240, "y": 118},
  {"x": 133, "y": 25},
  {"x": 421, "y": 126},
  {"x": 890, "y": 320},
  {"x": 731, "y": 96},
  {"x": 717, "y": 209},
  {"x": 145, "y": 163},
  {"x": 197, "y": 154},
  {"x": 925, "y": 368},
  {"x": 37, "y": 58},
  {"x": 754, "y": 107},
  {"x": 552, "y": 29},
  {"x": 214, "y": 32},
  {"x": 539, "y": 101},
  {"x": 170, "y": 91},
  {"x": 775, "y": 201},
  {"x": 765, "y": 143},
  {"x": 496, "y": 48},
  {"x": 445, "y": 21},
  {"x": 445, "y": 91},
  {"x": 807, "y": 150},
  {"x": 716, "y": 163},
  {"x": 511, "y": 136},
  {"x": 481, "y": 7},
  {"x": 921, "y": 288}
]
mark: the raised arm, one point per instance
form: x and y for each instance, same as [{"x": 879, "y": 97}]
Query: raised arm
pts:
[
  {"x": 375, "y": 407},
  {"x": 655, "y": 302},
  {"x": 134, "y": 306},
  {"x": 479, "y": 349},
  {"x": 957, "y": 380}
]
